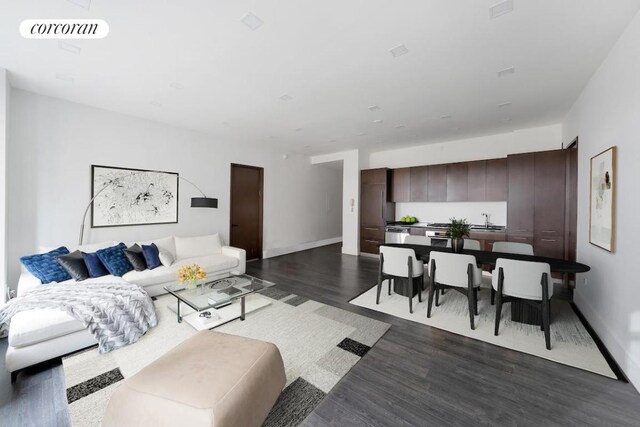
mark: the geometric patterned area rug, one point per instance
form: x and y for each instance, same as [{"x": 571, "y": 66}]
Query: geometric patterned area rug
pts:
[
  {"x": 571, "y": 343},
  {"x": 319, "y": 344}
]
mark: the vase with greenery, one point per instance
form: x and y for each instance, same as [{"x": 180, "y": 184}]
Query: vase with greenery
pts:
[{"x": 458, "y": 229}]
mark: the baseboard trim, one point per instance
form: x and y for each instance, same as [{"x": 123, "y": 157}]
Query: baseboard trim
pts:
[{"x": 270, "y": 253}]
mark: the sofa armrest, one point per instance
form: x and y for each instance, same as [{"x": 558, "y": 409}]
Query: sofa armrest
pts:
[
  {"x": 27, "y": 282},
  {"x": 241, "y": 254}
]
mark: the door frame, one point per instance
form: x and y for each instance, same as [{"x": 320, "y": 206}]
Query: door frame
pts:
[{"x": 261, "y": 199}]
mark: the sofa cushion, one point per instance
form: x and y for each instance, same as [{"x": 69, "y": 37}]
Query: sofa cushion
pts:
[
  {"x": 151, "y": 255},
  {"x": 38, "y": 325},
  {"x": 74, "y": 264},
  {"x": 95, "y": 267},
  {"x": 166, "y": 258},
  {"x": 136, "y": 257},
  {"x": 115, "y": 260},
  {"x": 166, "y": 244},
  {"x": 189, "y": 247},
  {"x": 46, "y": 267},
  {"x": 211, "y": 264}
]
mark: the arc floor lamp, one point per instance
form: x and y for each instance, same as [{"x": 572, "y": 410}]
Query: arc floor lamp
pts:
[{"x": 196, "y": 202}]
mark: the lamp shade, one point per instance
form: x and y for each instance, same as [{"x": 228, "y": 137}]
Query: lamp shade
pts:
[{"x": 204, "y": 202}]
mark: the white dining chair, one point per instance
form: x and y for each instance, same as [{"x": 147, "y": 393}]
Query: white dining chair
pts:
[
  {"x": 527, "y": 281},
  {"x": 472, "y": 244},
  {"x": 513, "y": 248},
  {"x": 454, "y": 271},
  {"x": 400, "y": 263}
]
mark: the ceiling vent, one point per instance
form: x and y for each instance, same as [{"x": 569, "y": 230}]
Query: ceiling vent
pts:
[
  {"x": 377, "y": 121},
  {"x": 446, "y": 116},
  {"x": 85, "y": 4},
  {"x": 374, "y": 108},
  {"x": 252, "y": 21},
  {"x": 399, "y": 126},
  {"x": 500, "y": 9},
  {"x": 176, "y": 86},
  {"x": 69, "y": 47},
  {"x": 398, "y": 50},
  {"x": 286, "y": 97},
  {"x": 506, "y": 72},
  {"x": 504, "y": 104}
]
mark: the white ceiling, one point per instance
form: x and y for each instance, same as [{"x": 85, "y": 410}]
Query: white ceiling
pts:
[{"x": 331, "y": 57}]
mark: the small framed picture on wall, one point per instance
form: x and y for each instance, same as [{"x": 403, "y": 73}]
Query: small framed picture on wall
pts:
[{"x": 603, "y": 199}]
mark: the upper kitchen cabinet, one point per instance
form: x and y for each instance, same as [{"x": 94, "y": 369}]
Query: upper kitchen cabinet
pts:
[
  {"x": 496, "y": 180},
  {"x": 476, "y": 181},
  {"x": 520, "y": 198},
  {"x": 550, "y": 193},
  {"x": 401, "y": 179},
  {"x": 419, "y": 184},
  {"x": 437, "y": 183},
  {"x": 375, "y": 176},
  {"x": 456, "y": 186}
]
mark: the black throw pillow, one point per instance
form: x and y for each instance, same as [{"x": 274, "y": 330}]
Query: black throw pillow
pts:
[
  {"x": 136, "y": 258},
  {"x": 73, "y": 264}
]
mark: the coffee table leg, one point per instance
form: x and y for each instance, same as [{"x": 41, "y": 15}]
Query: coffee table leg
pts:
[
  {"x": 179, "y": 317},
  {"x": 242, "y": 308}
]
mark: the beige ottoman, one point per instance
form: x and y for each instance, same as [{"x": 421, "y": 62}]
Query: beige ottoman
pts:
[{"x": 212, "y": 379}]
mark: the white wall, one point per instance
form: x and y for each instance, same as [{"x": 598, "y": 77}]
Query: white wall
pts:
[
  {"x": 350, "y": 196},
  {"x": 5, "y": 91},
  {"x": 442, "y": 212},
  {"x": 53, "y": 143},
  {"x": 606, "y": 114},
  {"x": 462, "y": 150}
]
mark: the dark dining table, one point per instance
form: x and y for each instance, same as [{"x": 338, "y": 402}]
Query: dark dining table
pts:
[{"x": 520, "y": 312}]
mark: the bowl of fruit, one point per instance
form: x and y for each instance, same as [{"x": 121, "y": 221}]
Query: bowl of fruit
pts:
[{"x": 408, "y": 219}]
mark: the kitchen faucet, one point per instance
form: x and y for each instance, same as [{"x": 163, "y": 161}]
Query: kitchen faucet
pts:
[{"x": 486, "y": 219}]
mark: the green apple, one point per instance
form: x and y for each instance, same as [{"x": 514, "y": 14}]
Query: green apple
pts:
[{"x": 414, "y": 219}]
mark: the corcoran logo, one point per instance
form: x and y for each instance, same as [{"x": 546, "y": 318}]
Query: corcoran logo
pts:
[{"x": 64, "y": 28}]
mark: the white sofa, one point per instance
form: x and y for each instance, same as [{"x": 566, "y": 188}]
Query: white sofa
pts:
[{"x": 39, "y": 335}]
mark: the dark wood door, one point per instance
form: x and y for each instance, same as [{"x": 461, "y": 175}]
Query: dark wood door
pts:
[
  {"x": 246, "y": 209},
  {"x": 437, "y": 183},
  {"x": 520, "y": 200},
  {"x": 401, "y": 179},
  {"x": 496, "y": 180},
  {"x": 419, "y": 184},
  {"x": 476, "y": 181},
  {"x": 550, "y": 193},
  {"x": 372, "y": 205},
  {"x": 457, "y": 187}
]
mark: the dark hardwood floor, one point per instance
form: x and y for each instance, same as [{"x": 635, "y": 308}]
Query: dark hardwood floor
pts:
[{"x": 414, "y": 376}]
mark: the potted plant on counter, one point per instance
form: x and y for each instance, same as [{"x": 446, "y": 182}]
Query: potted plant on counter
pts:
[{"x": 458, "y": 229}]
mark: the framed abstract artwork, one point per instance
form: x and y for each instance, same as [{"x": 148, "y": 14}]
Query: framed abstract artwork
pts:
[
  {"x": 132, "y": 197},
  {"x": 602, "y": 199}
]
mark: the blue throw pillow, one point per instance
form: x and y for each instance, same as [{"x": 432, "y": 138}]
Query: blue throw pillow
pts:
[
  {"x": 94, "y": 265},
  {"x": 151, "y": 256},
  {"x": 46, "y": 266},
  {"x": 115, "y": 260}
]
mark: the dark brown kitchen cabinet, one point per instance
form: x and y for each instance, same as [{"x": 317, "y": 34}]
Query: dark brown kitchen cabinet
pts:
[
  {"x": 401, "y": 179},
  {"x": 376, "y": 208},
  {"x": 550, "y": 193},
  {"x": 521, "y": 194},
  {"x": 457, "y": 187},
  {"x": 437, "y": 183},
  {"x": 496, "y": 180},
  {"x": 476, "y": 181},
  {"x": 419, "y": 187},
  {"x": 550, "y": 247}
]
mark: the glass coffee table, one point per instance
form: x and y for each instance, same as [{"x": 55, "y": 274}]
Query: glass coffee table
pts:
[{"x": 217, "y": 296}]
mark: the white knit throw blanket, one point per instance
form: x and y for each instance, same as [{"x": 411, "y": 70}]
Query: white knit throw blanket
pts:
[{"x": 117, "y": 314}]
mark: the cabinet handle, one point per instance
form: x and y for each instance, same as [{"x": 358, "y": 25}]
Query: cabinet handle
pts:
[
  {"x": 371, "y": 228},
  {"x": 548, "y": 231},
  {"x": 519, "y": 238},
  {"x": 548, "y": 240},
  {"x": 382, "y": 205},
  {"x": 522, "y": 230},
  {"x": 371, "y": 241}
]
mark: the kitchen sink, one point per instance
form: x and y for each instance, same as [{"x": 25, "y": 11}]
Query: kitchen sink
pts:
[{"x": 488, "y": 228}]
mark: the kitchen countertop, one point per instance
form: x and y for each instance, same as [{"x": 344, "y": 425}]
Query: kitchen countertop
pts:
[{"x": 426, "y": 225}]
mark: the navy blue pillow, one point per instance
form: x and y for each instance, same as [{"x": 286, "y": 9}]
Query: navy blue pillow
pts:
[
  {"x": 151, "y": 256},
  {"x": 115, "y": 260},
  {"x": 46, "y": 266},
  {"x": 94, "y": 265}
]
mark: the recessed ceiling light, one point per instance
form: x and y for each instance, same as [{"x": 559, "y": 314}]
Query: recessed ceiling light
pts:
[
  {"x": 506, "y": 71},
  {"x": 82, "y": 3},
  {"x": 374, "y": 108},
  {"x": 377, "y": 121},
  {"x": 361, "y": 134},
  {"x": 398, "y": 50},
  {"x": 298, "y": 129},
  {"x": 332, "y": 141},
  {"x": 156, "y": 104},
  {"x": 399, "y": 126},
  {"x": 504, "y": 104},
  {"x": 307, "y": 146},
  {"x": 65, "y": 78},
  {"x": 506, "y": 119},
  {"x": 176, "y": 85},
  {"x": 252, "y": 21},
  {"x": 69, "y": 47},
  {"x": 500, "y": 9},
  {"x": 286, "y": 97},
  {"x": 445, "y": 116}
]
